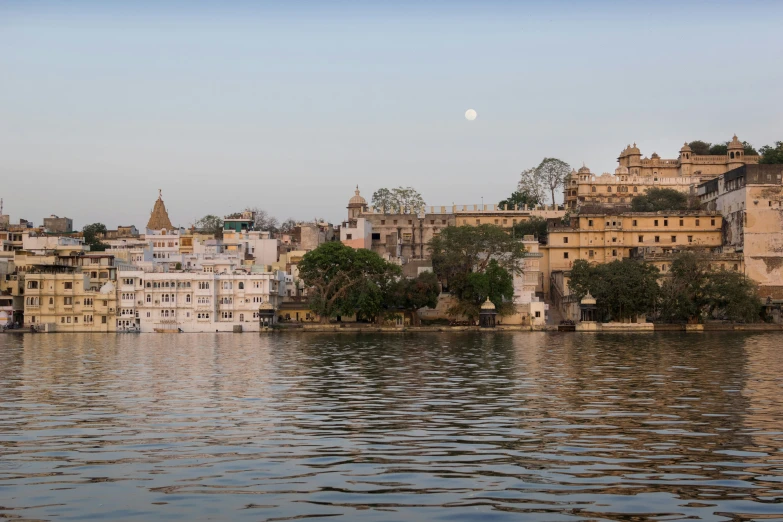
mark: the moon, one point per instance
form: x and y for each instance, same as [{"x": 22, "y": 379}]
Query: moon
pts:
[{"x": 470, "y": 115}]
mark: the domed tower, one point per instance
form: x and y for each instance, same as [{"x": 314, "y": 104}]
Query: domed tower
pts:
[
  {"x": 634, "y": 159},
  {"x": 686, "y": 161},
  {"x": 356, "y": 205},
  {"x": 736, "y": 153}
]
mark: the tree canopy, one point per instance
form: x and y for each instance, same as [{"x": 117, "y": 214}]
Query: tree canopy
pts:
[
  {"x": 400, "y": 200},
  {"x": 622, "y": 289},
  {"x": 553, "y": 172},
  {"x": 694, "y": 292},
  {"x": 344, "y": 281},
  {"x": 703, "y": 148},
  {"x": 660, "y": 199},
  {"x": 264, "y": 220},
  {"x": 535, "y": 226},
  {"x": 772, "y": 155},
  {"x": 412, "y": 294},
  {"x": 519, "y": 199},
  {"x": 92, "y": 236},
  {"x": 476, "y": 263},
  {"x": 210, "y": 224}
]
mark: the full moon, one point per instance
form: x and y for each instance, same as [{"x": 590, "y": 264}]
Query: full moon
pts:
[{"x": 470, "y": 114}]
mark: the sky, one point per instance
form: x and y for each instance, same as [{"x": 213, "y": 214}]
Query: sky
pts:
[{"x": 289, "y": 105}]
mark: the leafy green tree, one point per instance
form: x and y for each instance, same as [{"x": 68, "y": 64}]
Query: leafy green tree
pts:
[
  {"x": 659, "y": 199},
  {"x": 412, "y": 294},
  {"x": 622, "y": 289},
  {"x": 519, "y": 199},
  {"x": 683, "y": 297},
  {"x": 732, "y": 296},
  {"x": 92, "y": 236},
  {"x": 476, "y": 262},
  {"x": 694, "y": 292},
  {"x": 700, "y": 148},
  {"x": 343, "y": 281},
  {"x": 211, "y": 225},
  {"x": 535, "y": 226},
  {"x": 719, "y": 149},
  {"x": 400, "y": 200},
  {"x": 772, "y": 155},
  {"x": 748, "y": 149}
]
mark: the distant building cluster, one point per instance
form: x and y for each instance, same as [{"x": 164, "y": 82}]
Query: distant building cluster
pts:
[{"x": 168, "y": 278}]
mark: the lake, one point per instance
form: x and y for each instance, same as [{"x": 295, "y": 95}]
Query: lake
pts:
[{"x": 462, "y": 426}]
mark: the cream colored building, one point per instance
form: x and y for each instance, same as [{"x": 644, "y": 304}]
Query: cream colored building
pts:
[
  {"x": 750, "y": 198},
  {"x": 205, "y": 301},
  {"x": 60, "y": 298},
  {"x": 636, "y": 174},
  {"x": 603, "y": 238}
]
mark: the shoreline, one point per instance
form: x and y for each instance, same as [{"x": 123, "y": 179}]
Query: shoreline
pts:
[{"x": 592, "y": 328}]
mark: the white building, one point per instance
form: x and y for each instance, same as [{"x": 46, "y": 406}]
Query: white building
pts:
[{"x": 204, "y": 301}]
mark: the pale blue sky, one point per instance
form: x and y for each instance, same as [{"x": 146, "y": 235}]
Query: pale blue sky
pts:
[{"x": 288, "y": 105}]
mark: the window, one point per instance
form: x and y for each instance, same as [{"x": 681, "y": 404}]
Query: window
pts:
[
  {"x": 614, "y": 240},
  {"x": 635, "y": 189},
  {"x": 538, "y": 313},
  {"x": 592, "y": 189},
  {"x": 33, "y": 285},
  {"x": 589, "y": 222},
  {"x": 674, "y": 239},
  {"x": 608, "y": 189},
  {"x": 590, "y": 254},
  {"x": 614, "y": 253},
  {"x": 634, "y": 222},
  {"x": 348, "y": 236},
  {"x": 187, "y": 298},
  {"x": 682, "y": 222},
  {"x": 376, "y": 236},
  {"x": 395, "y": 221},
  {"x": 88, "y": 301},
  {"x": 656, "y": 222},
  {"x": 241, "y": 285},
  {"x": 383, "y": 222},
  {"x": 712, "y": 222},
  {"x": 697, "y": 222},
  {"x": 68, "y": 301},
  {"x": 641, "y": 239},
  {"x": 76, "y": 320},
  {"x": 565, "y": 255},
  {"x": 657, "y": 239},
  {"x": 68, "y": 285},
  {"x": 565, "y": 240},
  {"x": 666, "y": 222}
]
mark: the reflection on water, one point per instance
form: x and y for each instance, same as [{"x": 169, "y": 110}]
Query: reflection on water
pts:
[{"x": 417, "y": 427}]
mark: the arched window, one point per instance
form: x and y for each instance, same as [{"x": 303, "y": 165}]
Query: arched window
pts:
[
  {"x": 593, "y": 189},
  {"x": 635, "y": 189},
  {"x": 731, "y": 155},
  {"x": 187, "y": 298},
  {"x": 608, "y": 189},
  {"x": 241, "y": 285}
]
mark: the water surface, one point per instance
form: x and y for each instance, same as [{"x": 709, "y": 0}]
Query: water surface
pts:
[{"x": 501, "y": 426}]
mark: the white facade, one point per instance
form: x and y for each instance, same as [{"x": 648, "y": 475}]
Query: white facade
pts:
[{"x": 196, "y": 301}]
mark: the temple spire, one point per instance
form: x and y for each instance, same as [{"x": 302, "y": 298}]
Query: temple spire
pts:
[{"x": 159, "y": 217}]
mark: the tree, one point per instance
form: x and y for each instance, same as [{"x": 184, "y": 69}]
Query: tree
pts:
[
  {"x": 535, "y": 226},
  {"x": 719, "y": 149},
  {"x": 400, "y": 200},
  {"x": 210, "y": 224},
  {"x": 263, "y": 220},
  {"x": 622, "y": 289},
  {"x": 772, "y": 155},
  {"x": 748, "y": 149},
  {"x": 92, "y": 236},
  {"x": 700, "y": 148},
  {"x": 694, "y": 292},
  {"x": 519, "y": 199},
  {"x": 658, "y": 199},
  {"x": 531, "y": 184},
  {"x": 553, "y": 172},
  {"x": 334, "y": 273},
  {"x": 288, "y": 226},
  {"x": 461, "y": 255},
  {"x": 412, "y": 294}
]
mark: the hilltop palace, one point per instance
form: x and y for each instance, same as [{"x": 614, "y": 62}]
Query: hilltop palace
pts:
[{"x": 635, "y": 174}]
